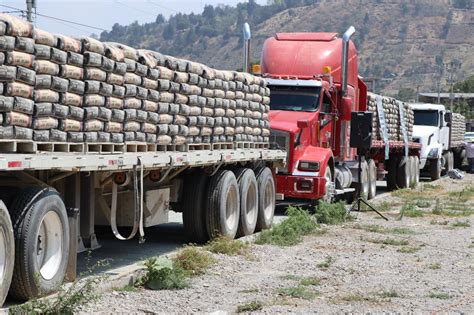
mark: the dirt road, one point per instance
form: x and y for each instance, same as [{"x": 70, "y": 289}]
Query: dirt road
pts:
[{"x": 421, "y": 261}]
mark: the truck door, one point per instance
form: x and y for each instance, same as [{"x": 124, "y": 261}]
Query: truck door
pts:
[{"x": 326, "y": 121}]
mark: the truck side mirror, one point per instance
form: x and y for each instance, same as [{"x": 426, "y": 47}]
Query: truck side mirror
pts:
[
  {"x": 346, "y": 108},
  {"x": 303, "y": 123},
  {"x": 448, "y": 117}
]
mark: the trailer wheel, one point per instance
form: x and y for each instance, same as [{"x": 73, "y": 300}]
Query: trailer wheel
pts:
[
  {"x": 372, "y": 169},
  {"x": 41, "y": 232},
  {"x": 391, "y": 176},
  {"x": 435, "y": 169},
  {"x": 194, "y": 192},
  {"x": 403, "y": 173},
  {"x": 417, "y": 170},
  {"x": 266, "y": 199},
  {"x": 248, "y": 201},
  {"x": 7, "y": 252},
  {"x": 223, "y": 205}
]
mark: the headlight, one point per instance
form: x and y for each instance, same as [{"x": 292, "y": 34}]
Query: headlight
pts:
[
  {"x": 433, "y": 153},
  {"x": 308, "y": 166}
]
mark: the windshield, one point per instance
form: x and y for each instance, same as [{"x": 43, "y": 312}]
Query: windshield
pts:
[
  {"x": 426, "y": 117},
  {"x": 294, "y": 98}
]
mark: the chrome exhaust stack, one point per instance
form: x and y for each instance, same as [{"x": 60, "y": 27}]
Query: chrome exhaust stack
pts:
[
  {"x": 247, "y": 36},
  {"x": 345, "y": 58}
]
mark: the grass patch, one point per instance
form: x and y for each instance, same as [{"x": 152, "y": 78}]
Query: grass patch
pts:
[
  {"x": 462, "y": 224},
  {"x": 127, "y": 288},
  {"x": 326, "y": 263},
  {"x": 405, "y": 193},
  {"x": 387, "y": 241},
  {"x": 356, "y": 297},
  {"x": 375, "y": 228},
  {"x": 384, "y": 206},
  {"x": 290, "y": 231},
  {"x": 408, "y": 249},
  {"x": 434, "y": 266},
  {"x": 431, "y": 187},
  {"x": 410, "y": 210},
  {"x": 463, "y": 195},
  {"x": 290, "y": 277},
  {"x": 250, "y": 307},
  {"x": 300, "y": 292},
  {"x": 330, "y": 213},
  {"x": 436, "y": 222},
  {"x": 389, "y": 294},
  {"x": 423, "y": 203},
  {"x": 193, "y": 260},
  {"x": 310, "y": 281},
  {"x": 439, "y": 295},
  {"x": 227, "y": 246}
]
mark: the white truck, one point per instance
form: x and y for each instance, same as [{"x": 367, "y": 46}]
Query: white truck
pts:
[
  {"x": 220, "y": 191},
  {"x": 440, "y": 134}
]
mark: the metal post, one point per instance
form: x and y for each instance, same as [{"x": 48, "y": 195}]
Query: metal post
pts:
[
  {"x": 29, "y": 10},
  {"x": 87, "y": 211}
]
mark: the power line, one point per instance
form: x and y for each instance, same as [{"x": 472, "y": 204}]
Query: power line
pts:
[
  {"x": 55, "y": 18},
  {"x": 162, "y": 6},
  {"x": 133, "y": 8}
]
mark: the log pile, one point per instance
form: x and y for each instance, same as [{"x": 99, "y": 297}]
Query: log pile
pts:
[
  {"x": 60, "y": 89},
  {"x": 392, "y": 118},
  {"x": 458, "y": 129}
]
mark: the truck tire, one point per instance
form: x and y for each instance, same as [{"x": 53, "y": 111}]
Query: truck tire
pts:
[
  {"x": 7, "y": 252},
  {"x": 445, "y": 166},
  {"x": 435, "y": 169},
  {"x": 329, "y": 186},
  {"x": 372, "y": 168},
  {"x": 266, "y": 199},
  {"x": 193, "y": 207},
  {"x": 41, "y": 232},
  {"x": 391, "y": 176},
  {"x": 403, "y": 172},
  {"x": 248, "y": 201},
  {"x": 417, "y": 170},
  {"x": 223, "y": 205}
]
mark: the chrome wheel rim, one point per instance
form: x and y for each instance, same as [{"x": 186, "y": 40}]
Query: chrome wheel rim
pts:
[
  {"x": 251, "y": 204},
  {"x": 49, "y": 244},
  {"x": 3, "y": 255},
  {"x": 269, "y": 200},
  {"x": 231, "y": 208}
]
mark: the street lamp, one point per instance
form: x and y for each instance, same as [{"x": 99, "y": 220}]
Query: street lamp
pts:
[{"x": 451, "y": 70}]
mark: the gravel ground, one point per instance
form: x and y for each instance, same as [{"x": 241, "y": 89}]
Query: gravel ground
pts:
[{"x": 357, "y": 272}]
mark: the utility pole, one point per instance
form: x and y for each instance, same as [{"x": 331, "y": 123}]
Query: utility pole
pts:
[
  {"x": 30, "y": 5},
  {"x": 451, "y": 69}
]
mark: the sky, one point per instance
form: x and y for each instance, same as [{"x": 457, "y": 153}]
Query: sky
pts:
[{"x": 103, "y": 14}]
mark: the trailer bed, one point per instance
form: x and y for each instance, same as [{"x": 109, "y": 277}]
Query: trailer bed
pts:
[{"x": 126, "y": 161}]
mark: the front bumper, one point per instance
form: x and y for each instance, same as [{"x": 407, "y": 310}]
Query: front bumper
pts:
[{"x": 287, "y": 186}]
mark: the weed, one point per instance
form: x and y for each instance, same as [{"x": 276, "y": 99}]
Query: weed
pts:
[
  {"x": 411, "y": 211},
  {"x": 290, "y": 277},
  {"x": 357, "y": 298},
  {"x": 326, "y": 263},
  {"x": 408, "y": 249},
  {"x": 421, "y": 203},
  {"x": 310, "y": 281},
  {"x": 435, "y": 222},
  {"x": 300, "y": 292},
  {"x": 384, "y": 206},
  {"x": 387, "y": 241},
  {"x": 127, "y": 288},
  {"x": 439, "y": 295},
  {"x": 463, "y": 224},
  {"x": 435, "y": 266},
  {"x": 330, "y": 213},
  {"x": 227, "y": 246},
  {"x": 68, "y": 299},
  {"x": 193, "y": 260},
  {"x": 290, "y": 231},
  {"x": 389, "y": 294},
  {"x": 249, "y": 291},
  {"x": 431, "y": 186},
  {"x": 382, "y": 230},
  {"x": 161, "y": 274},
  {"x": 250, "y": 307},
  {"x": 404, "y": 193}
]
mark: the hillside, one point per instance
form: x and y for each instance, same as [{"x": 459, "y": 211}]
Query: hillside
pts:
[{"x": 402, "y": 43}]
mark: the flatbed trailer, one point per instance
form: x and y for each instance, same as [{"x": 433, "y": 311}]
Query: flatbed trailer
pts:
[{"x": 51, "y": 203}]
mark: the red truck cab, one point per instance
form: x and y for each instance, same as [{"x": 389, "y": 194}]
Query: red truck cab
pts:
[{"x": 314, "y": 83}]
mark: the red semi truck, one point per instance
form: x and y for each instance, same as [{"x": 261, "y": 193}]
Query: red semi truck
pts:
[{"x": 315, "y": 86}]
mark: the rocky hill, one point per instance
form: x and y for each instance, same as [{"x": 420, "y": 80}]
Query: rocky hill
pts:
[{"x": 401, "y": 43}]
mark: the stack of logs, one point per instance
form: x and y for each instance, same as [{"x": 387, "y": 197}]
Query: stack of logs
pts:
[{"x": 392, "y": 118}]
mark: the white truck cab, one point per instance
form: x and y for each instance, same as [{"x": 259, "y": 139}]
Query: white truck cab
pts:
[{"x": 431, "y": 129}]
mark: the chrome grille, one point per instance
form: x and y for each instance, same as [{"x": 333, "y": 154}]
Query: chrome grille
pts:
[{"x": 280, "y": 140}]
